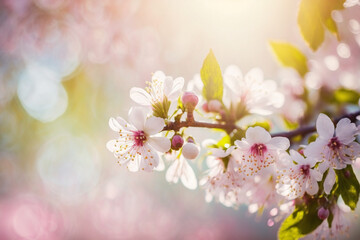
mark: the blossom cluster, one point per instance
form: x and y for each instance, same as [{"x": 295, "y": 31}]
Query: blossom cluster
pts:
[{"x": 249, "y": 165}]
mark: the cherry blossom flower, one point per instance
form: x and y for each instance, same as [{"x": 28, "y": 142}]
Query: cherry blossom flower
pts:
[
  {"x": 259, "y": 150},
  {"x": 181, "y": 169},
  {"x": 259, "y": 96},
  {"x": 159, "y": 88},
  {"x": 135, "y": 146},
  {"x": 222, "y": 181},
  {"x": 296, "y": 179},
  {"x": 339, "y": 227},
  {"x": 334, "y": 148}
]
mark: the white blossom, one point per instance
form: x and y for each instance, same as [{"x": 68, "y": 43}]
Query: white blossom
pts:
[
  {"x": 259, "y": 96},
  {"x": 160, "y": 87},
  {"x": 135, "y": 146},
  {"x": 181, "y": 169},
  {"x": 334, "y": 148},
  {"x": 259, "y": 150},
  {"x": 296, "y": 179}
]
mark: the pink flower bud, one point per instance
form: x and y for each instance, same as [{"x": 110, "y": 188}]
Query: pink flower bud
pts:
[
  {"x": 214, "y": 105},
  {"x": 347, "y": 174},
  {"x": 190, "y": 100},
  {"x": 323, "y": 213},
  {"x": 205, "y": 107},
  {"x": 177, "y": 142},
  {"x": 190, "y": 150}
]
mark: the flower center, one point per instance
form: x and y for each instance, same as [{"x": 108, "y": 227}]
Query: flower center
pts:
[
  {"x": 139, "y": 138},
  {"x": 305, "y": 169},
  {"x": 258, "y": 149},
  {"x": 334, "y": 143}
]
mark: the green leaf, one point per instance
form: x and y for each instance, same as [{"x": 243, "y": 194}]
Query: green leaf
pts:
[
  {"x": 212, "y": 78},
  {"x": 314, "y": 16},
  {"x": 301, "y": 222},
  {"x": 310, "y": 24},
  {"x": 348, "y": 186},
  {"x": 265, "y": 124},
  {"x": 290, "y": 56},
  {"x": 331, "y": 26},
  {"x": 346, "y": 96}
]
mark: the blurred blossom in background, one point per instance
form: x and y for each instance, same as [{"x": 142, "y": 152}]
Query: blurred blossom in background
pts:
[{"x": 67, "y": 66}]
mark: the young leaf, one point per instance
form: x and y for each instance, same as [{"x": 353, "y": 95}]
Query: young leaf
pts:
[
  {"x": 314, "y": 16},
  {"x": 349, "y": 187},
  {"x": 290, "y": 56},
  {"x": 301, "y": 222},
  {"x": 310, "y": 24},
  {"x": 212, "y": 78},
  {"x": 343, "y": 95}
]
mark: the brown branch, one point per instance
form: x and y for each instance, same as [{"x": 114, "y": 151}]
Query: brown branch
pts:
[
  {"x": 229, "y": 127},
  {"x": 176, "y": 126},
  {"x": 302, "y": 131}
]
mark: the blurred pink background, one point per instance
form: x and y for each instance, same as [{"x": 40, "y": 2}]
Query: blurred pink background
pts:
[{"x": 67, "y": 66}]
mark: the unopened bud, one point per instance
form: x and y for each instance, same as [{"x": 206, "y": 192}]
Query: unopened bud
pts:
[
  {"x": 190, "y": 100},
  {"x": 177, "y": 142},
  {"x": 323, "y": 213},
  {"x": 347, "y": 174},
  {"x": 190, "y": 150},
  {"x": 214, "y": 105},
  {"x": 205, "y": 107}
]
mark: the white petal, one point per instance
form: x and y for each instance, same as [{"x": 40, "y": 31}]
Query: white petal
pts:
[
  {"x": 114, "y": 125},
  {"x": 161, "y": 144},
  {"x": 161, "y": 166},
  {"x": 257, "y": 135},
  {"x": 233, "y": 70},
  {"x": 159, "y": 75},
  {"x": 329, "y": 181},
  {"x": 168, "y": 83},
  {"x": 137, "y": 116},
  {"x": 188, "y": 177},
  {"x": 242, "y": 145},
  {"x": 345, "y": 131},
  {"x": 149, "y": 158},
  {"x": 254, "y": 75},
  {"x": 111, "y": 145},
  {"x": 296, "y": 156},
  {"x": 316, "y": 175},
  {"x": 153, "y": 125},
  {"x": 217, "y": 152},
  {"x": 172, "y": 172},
  {"x": 140, "y": 96},
  {"x": 324, "y": 126},
  {"x": 177, "y": 86},
  {"x": 280, "y": 143},
  {"x": 323, "y": 167},
  {"x": 133, "y": 166},
  {"x": 313, "y": 187}
]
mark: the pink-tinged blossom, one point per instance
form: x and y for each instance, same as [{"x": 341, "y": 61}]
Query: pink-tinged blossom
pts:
[
  {"x": 160, "y": 87},
  {"x": 221, "y": 181},
  {"x": 334, "y": 148},
  {"x": 259, "y": 150},
  {"x": 340, "y": 224},
  {"x": 181, "y": 169},
  {"x": 296, "y": 179},
  {"x": 259, "y": 96},
  {"x": 135, "y": 146}
]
